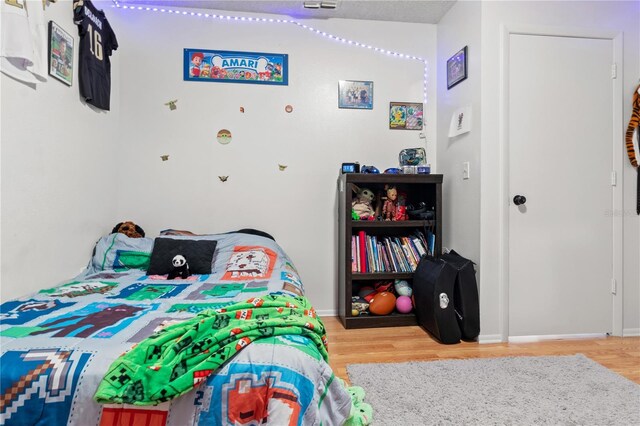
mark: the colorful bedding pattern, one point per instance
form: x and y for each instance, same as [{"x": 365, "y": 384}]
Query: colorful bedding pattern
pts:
[
  {"x": 58, "y": 344},
  {"x": 178, "y": 357}
]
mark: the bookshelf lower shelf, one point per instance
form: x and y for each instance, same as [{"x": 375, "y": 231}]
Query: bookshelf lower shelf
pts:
[{"x": 371, "y": 321}]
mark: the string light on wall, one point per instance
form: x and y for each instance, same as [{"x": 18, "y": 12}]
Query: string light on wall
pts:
[{"x": 354, "y": 43}]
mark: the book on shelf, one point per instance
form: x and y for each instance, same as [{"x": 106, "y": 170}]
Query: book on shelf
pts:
[
  {"x": 371, "y": 264},
  {"x": 406, "y": 267},
  {"x": 418, "y": 246},
  {"x": 413, "y": 262},
  {"x": 354, "y": 254},
  {"x": 363, "y": 254},
  {"x": 414, "y": 251},
  {"x": 383, "y": 255},
  {"x": 431, "y": 242},
  {"x": 394, "y": 262}
]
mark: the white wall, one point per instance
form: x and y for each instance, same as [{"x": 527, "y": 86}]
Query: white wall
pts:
[
  {"x": 461, "y": 198},
  {"x": 617, "y": 16},
  {"x": 58, "y": 190},
  {"x": 297, "y": 206}
]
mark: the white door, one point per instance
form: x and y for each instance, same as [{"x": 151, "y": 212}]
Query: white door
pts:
[{"x": 560, "y": 160}]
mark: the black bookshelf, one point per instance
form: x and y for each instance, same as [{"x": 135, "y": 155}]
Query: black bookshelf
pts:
[{"x": 427, "y": 188}]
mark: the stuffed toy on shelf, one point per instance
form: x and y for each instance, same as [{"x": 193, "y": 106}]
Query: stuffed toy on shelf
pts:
[
  {"x": 362, "y": 204},
  {"x": 390, "y": 204}
]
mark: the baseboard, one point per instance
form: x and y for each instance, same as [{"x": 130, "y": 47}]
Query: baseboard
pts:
[
  {"x": 630, "y": 332},
  {"x": 490, "y": 338},
  {"x": 529, "y": 339},
  {"x": 327, "y": 313}
]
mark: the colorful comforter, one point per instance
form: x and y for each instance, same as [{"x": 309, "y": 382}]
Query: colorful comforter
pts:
[{"x": 58, "y": 344}]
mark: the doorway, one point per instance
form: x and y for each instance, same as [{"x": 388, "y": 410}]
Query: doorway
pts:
[{"x": 560, "y": 159}]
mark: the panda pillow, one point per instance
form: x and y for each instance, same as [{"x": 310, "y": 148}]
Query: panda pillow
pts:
[{"x": 198, "y": 253}]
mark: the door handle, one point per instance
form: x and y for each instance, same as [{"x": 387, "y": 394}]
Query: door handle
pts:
[{"x": 519, "y": 200}]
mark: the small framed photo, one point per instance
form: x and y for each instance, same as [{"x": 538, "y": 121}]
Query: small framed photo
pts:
[
  {"x": 60, "y": 54},
  {"x": 355, "y": 94},
  {"x": 457, "y": 68},
  {"x": 406, "y": 116}
]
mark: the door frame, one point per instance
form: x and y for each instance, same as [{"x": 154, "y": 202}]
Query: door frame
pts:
[{"x": 617, "y": 149}]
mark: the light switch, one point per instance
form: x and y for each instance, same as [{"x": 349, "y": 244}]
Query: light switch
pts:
[{"x": 465, "y": 170}]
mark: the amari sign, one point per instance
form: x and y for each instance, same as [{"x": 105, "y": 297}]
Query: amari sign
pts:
[{"x": 225, "y": 66}]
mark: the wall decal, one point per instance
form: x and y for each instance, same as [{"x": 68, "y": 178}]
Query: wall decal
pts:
[
  {"x": 172, "y": 104},
  {"x": 288, "y": 108},
  {"x": 282, "y": 167},
  {"x": 223, "y": 178},
  {"x": 225, "y": 66},
  {"x": 224, "y": 136},
  {"x": 242, "y": 110},
  {"x": 164, "y": 157}
]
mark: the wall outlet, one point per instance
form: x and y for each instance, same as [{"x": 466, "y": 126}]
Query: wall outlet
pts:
[{"x": 465, "y": 170}]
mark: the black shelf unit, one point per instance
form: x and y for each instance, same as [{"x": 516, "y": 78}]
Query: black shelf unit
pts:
[{"x": 426, "y": 188}]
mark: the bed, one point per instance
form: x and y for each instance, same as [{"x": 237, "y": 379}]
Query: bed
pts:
[{"x": 58, "y": 344}]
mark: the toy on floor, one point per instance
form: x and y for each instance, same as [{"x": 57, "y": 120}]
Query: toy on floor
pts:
[
  {"x": 180, "y": 268},
  {"x": 129, "y": 229}
]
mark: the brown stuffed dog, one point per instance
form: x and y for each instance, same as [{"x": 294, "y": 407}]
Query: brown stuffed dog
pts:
[{"x": 129, "y": 229}]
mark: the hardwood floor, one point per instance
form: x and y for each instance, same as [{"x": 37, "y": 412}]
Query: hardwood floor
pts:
[{"x": 401, "y": 344}]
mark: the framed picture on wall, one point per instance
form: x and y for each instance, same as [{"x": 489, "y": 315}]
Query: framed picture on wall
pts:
[
  {"x": 457, "y": 68},
  {"x": 60, "y": 54},
  {"x": 406, "y": 116},
  {"x": 355, "y": 94}
]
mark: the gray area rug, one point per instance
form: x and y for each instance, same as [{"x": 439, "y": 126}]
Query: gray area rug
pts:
[{"x": 548, "y": 390}]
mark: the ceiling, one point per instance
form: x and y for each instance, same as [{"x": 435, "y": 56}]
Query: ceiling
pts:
[{"x": 418, "y": 11}]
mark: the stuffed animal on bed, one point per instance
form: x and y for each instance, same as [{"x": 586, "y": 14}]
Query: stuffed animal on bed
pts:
[
  {"x": 180, "y": 268},
  {"x": 129, "y": 229}
]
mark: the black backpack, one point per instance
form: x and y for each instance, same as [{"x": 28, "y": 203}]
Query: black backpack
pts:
[{"x": 446, "y": 297}]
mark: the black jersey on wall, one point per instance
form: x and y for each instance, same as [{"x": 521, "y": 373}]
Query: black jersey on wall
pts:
[{"x": 97, "y": 43}]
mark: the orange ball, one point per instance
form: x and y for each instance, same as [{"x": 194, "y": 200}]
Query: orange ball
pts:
[{"x": 382, "y": 304}]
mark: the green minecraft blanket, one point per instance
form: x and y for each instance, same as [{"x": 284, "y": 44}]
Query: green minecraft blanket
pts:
[{"x": 177, "y": 358}]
